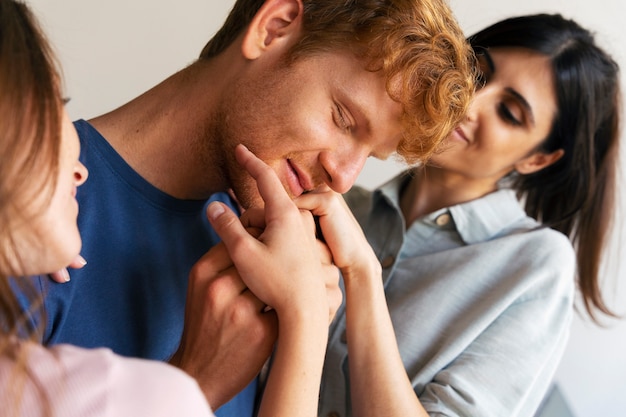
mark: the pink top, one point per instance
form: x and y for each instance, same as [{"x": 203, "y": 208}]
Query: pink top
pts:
[{"x": 96, "y": 382}]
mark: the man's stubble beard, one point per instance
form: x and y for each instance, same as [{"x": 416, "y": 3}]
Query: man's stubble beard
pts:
[
  {"x": 222, "y": 138},
  {"x": 247, "y": 115}
]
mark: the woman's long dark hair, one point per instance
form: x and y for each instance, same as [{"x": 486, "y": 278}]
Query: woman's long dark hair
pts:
[{"x": 576, "y": 195}]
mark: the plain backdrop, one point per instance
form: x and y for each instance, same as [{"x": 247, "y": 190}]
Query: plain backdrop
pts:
[{"x": 113, "y": 50}]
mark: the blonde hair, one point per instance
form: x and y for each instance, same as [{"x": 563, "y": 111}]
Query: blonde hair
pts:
[{"x": 30, "y": 141}]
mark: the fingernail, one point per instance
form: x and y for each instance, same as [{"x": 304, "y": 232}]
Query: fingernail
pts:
[
  {"x": 81, "y": 260},
  {"x": 215, "y": 210},
  {"x": 65, "y": 275}
]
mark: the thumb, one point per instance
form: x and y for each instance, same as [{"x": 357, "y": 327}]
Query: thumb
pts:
[{"x": 230, "y": 229}]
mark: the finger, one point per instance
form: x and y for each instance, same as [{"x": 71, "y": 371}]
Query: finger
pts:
[
  {"x": 255, "y": 303},
  {"x": 61, "y": 276},
  {"x": 319, "y": 203},
  {"x": 325, "y": 203},
  {"x": 227, "y": 285},
  {"x": 335, "y": 299},
  {"x": 323, "y": 188},
  {"x": 229, "y": 228},
  {"x": 325, "y": 254},
  {"x": 333, "y": 290},
  {"x": 269, "y": 186},
  {"x": 331, "y": 275},
  {"x": 254, "y": 231},
  {"x": 309, "y": 221},
  {"x": 253, "y": 217},
  {"x": 232, "y": 195},
  {"x": 78, "y": 262},
  {"x": 214, "y": 261}
]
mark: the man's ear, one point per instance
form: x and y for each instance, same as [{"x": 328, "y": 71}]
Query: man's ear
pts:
[
  {"x": 538, "y": 161},
  {"x": 277, "y": 22}
]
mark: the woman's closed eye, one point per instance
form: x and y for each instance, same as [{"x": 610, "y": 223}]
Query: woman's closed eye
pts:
[{"x": 509, "y": 115}]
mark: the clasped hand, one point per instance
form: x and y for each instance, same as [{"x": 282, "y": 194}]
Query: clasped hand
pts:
[{"x": 269, "y": 257}]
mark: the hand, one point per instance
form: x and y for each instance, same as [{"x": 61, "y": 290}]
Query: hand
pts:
[
  {"x": 349, "y": 247},
  {"x": 62, "y": 276},
  {"x": 331, "y": 281},
  {"x": 227, "y": 336},
  {"x": 371, "y": 341},
  {"x": 283, "y": 266},
  {"x": 330, "y": 273}
]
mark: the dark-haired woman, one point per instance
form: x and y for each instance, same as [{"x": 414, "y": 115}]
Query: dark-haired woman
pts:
[{"x": 482, "y": 248}]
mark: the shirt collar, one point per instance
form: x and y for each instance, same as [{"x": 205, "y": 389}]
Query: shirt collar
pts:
[
  {"x": 476, "y": 221},
  {"x": 390, "y": 191},
  {"x": 487, "y": 217}
]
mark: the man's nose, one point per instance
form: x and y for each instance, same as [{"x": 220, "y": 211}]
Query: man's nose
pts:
[{"x": 343, "y": 169}]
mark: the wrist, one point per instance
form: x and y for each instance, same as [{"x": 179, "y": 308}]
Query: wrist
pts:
[
  {"x": 361, "y": 272},
  {"x": 310, "y": 316}
]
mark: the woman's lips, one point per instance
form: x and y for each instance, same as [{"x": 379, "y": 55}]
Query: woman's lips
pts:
[{"x": 459, "y": 134}]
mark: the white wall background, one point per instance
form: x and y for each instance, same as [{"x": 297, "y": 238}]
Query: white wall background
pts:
[{"x": 114, "y": 50}]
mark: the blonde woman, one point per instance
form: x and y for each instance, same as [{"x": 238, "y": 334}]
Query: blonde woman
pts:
[{"x": 39, "y": 176}]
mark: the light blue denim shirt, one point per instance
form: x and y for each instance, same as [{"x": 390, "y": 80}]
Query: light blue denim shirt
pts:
[{"x": 481, "y": 301}]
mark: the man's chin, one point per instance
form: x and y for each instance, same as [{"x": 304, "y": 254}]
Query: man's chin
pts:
[
  {"x": 247, "y": 195},
  {"x": 246, "y": 199}
]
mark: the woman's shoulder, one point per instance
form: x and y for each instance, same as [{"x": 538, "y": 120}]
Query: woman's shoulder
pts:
[
  {"x": 97, "y": 382},
  {"x": 543, "y": 239}
]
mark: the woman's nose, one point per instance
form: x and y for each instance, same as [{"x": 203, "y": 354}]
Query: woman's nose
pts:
[
  {"x": 80, "y": 174},
  {"x": 475, "y": 105}
]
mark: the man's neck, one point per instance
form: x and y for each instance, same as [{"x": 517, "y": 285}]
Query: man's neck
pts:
[{"x": 158, "y": 134}]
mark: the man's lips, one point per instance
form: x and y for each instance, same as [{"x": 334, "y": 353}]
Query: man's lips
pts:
[{"x": 297, "y": 180}]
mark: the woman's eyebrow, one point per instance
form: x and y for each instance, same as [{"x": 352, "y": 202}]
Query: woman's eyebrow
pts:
[{"x": 484, "y": 52}]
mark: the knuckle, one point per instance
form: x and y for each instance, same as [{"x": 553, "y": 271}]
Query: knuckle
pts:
[
  {"x": 226, "y": 221},
  {"x": 217, "y": 289},
  {"x": 198, "y": 270}
]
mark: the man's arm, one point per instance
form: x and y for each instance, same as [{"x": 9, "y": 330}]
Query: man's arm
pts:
[{"x": 227, "y": 336}]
